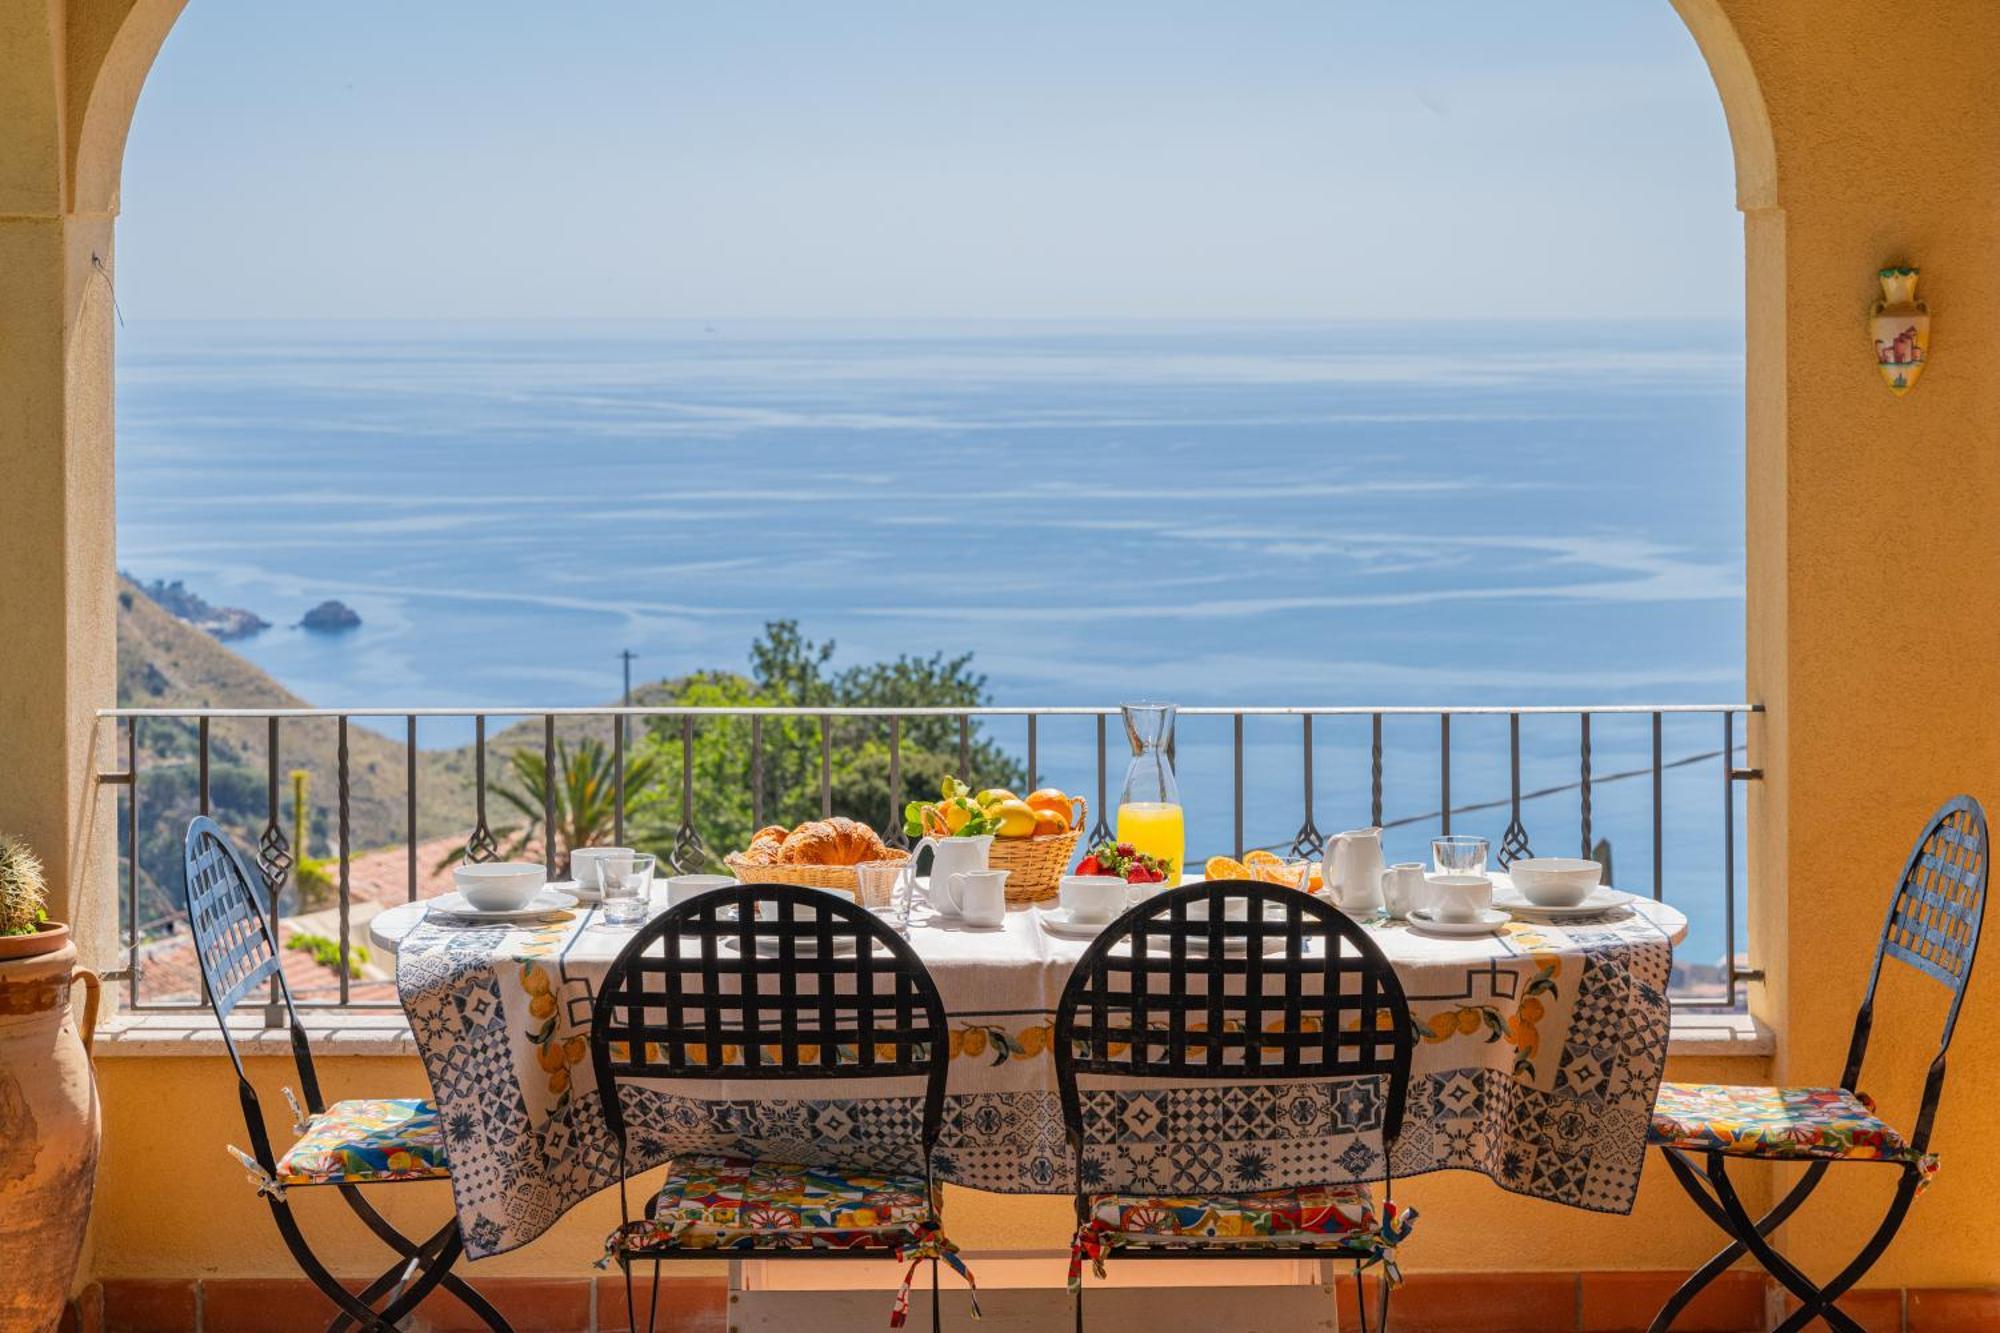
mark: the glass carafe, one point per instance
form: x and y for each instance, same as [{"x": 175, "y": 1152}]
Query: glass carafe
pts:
[{"x": 1149, "y": 804}]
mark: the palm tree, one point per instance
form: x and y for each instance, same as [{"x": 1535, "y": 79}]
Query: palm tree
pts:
[{"x": 585, "y": 796}]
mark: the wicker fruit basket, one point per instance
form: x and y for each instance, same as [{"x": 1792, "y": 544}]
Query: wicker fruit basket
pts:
[{"x": 1038, "y": 864}]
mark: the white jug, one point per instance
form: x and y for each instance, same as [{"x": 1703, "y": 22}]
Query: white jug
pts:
[
  {"x": 951, "y": 858},
  {"x": 1353, "y": 870}
]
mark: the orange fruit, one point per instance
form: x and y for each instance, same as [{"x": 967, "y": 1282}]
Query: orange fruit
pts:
[
  {"x": 1257, "y": 856},
  {"x": 1225, "y": 867},
  {"x": 1049, "y": 823},
  {"x": 1057, "y": 801}
]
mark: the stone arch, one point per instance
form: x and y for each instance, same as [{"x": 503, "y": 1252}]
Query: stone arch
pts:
[{"x": 110, "y": 50}]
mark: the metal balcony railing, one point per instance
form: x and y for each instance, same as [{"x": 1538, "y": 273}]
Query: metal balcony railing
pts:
[{"x": 1425, "y": 767}]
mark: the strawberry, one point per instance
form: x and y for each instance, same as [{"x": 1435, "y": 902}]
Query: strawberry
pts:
[{"x": 1089, "y": 866}]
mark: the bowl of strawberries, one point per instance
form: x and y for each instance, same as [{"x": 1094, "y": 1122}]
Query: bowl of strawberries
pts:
[{"x": 1121, "y": 860}]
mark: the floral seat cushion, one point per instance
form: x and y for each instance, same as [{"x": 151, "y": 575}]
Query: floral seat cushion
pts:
[
  {"x": 1792, "y": 1123},
  {"x": 733, "y": 1203},
  {"x": 366, "y": 1139},
  {"x": 719, "y": 1203},
  {"x": 1338, "y": 1218}
]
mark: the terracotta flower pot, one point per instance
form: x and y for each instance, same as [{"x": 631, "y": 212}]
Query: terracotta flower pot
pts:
[{"x": 48, "y": 1124}]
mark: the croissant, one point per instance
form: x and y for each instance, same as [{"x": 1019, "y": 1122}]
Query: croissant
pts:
[
  {"x": 764, "y": 846},
  {"x": 839, "y": 841}
]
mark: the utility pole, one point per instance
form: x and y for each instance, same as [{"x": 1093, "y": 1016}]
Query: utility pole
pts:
[{"x": 625, "y": 655}]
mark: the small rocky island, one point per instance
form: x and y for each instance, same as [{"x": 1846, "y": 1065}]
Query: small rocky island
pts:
[
  {"x": 330, "y": 615},
  {"x": 224, "y": 622}
]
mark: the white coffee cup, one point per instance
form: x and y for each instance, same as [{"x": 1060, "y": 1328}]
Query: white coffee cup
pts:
[
  {"x": 1459, "y": 897},
  {"x": 982, "y": 897},
  {"x": 1065, "y": 897},
  {"x": 1092, "y": 899},
  {"x": 1405, "y": 889},
  {"x": 680, "y": 888}
]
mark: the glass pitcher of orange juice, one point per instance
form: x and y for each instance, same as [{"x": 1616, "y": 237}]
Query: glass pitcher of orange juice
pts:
[{"x": 1149, "y": 804}]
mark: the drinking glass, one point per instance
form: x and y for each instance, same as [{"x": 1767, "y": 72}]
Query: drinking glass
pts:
[
  {"x": 875, "y": 882},
  {"x": 1458, "y": 854},
  {"x": 626, "y": 883}
]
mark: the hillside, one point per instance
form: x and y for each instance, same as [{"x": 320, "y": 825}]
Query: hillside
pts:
[{"x": 165, "y": 663}]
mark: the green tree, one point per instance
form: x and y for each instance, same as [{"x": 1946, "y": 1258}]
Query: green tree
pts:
[
  {"x": 585, "y": 796},
  {"x": 788, "y": 670}
]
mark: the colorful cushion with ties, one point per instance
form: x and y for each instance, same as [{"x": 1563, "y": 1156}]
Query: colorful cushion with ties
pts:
[
  {"x": 712, "y": 1203},
  {"x": 367, "y": 1139},
  {"x": 1791, "y": 1123},
  {"x": 733, "y": 1203},
  {"x": 1340, "y": 1219}
]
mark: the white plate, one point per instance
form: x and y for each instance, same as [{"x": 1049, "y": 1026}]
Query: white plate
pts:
[
  {"x": 767, "y": 947},
  {"x": 583, "y": 895},
  {"x": 544, "y": 902},
  {"x": 1599, "y": 901},
  {"x": 1485, "y": 923}
]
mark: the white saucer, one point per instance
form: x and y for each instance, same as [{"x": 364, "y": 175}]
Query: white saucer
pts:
[
  {"x": 770, "y": 947},
  {"x": 1485, "y": 923},
  {"x": 1599, "y": 901},
  {"x": 1057, "y": 921},
  {"x": 545, "y": 901},
  {"x": 587, "y": 896}
]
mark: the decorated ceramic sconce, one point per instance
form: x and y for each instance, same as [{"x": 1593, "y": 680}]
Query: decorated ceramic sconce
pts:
[{"x": 1901, "y": 326}]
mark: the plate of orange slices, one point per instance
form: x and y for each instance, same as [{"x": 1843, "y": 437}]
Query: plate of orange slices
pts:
[{"x": 1265, "y": 868}]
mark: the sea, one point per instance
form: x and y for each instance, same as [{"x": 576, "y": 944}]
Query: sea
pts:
[{"x": 1221, "y": 514}]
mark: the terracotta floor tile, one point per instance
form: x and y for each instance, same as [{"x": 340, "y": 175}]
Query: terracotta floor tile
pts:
[
  {"x": 263, "y": 1305},
  {"x": 148, "y": 1305},
  {"x": 1613, "y": 1302},
  {"x": 1877, "y": 1309},
  {"x": 84, "y": 1313},
  {"x": 1484, "y": 1303},
  {"x": 688, "y": 1304},
  {"x": 1954, "y": 1309},
  {"x": 530, "y": 1304}
]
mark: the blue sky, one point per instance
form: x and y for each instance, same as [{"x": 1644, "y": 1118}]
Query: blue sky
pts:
[{"x": 1292, "y": 158}]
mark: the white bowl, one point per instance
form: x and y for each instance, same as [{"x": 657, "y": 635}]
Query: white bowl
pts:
[
  {"x": 1555, "y": 881},
  {"x": 583, "y": 864},
  {"x": 499, "y": 886}
]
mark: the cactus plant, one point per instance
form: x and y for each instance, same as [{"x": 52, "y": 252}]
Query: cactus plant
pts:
[{"x": 24, "y": 893}]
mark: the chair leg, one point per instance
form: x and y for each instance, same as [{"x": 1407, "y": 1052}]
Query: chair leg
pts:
[
  {"x": 1745, "y": 1229},
  {"x": 652, "y": 1303},
  {"x": 316, "y": 1273},
  {"x": 937, "y": 1307},
  {"x": 1382, "y": 1303},
  {"x": 409, "y": 1249},
  {"x": 1076, "y": 1302},
  {"x": 1360, "y": 1300},
  {"x": 1892, "y": 1221},
  {"x": 393, "y": 1279},
  {"x": 433, "y": 1275},
  {"x": 1692, "y": 1182}
]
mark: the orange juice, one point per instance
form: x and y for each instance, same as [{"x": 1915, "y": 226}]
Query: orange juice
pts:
[{"x": 1156, "y": 828}]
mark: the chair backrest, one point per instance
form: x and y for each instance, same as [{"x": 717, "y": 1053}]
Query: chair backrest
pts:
[
  {"x": 1162, "y": 994},
  {"x": 1933, "y": 927},
  {"x": 769, "y": 981},
  {"x": 236, "y": 953}
]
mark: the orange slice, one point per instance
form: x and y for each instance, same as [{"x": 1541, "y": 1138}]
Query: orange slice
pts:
[
  {"x": 1225, "y": 867},
  {"x": 1259, "y": 857}
]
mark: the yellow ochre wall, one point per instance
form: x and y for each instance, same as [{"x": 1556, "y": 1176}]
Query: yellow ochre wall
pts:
[{"x": 1865, "y": 133}]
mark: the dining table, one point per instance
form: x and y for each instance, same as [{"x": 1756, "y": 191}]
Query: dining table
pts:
[{"x": 1539, "y": 1050}]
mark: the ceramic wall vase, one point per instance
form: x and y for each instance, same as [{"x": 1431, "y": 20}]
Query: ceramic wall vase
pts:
[{"x": 1901, "y": 326}]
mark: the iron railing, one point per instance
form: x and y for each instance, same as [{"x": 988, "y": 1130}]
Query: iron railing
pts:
[{"x": 1525, "y": 805}]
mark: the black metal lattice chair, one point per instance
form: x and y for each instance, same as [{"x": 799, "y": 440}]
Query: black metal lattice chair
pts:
[
  {"x": 1305, "y": 997},
  {"x": 774, "y": 982},
  {"x": 346, "y": 1146},
  {"x": 1933, "y": 927}
]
